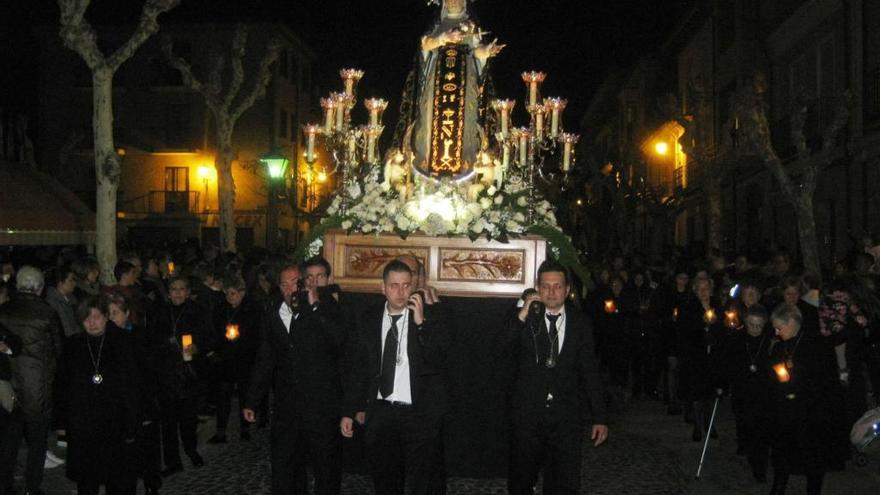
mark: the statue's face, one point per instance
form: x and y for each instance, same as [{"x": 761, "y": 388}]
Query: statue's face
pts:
[{"x": 455, "y": 6}]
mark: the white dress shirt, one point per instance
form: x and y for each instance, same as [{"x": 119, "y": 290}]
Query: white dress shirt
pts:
[
  {"x": 286, "y": 315},
  {"x": 402, "y": 390}
]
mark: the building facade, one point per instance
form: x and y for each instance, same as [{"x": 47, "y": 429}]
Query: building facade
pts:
[
  {"x": 820, "y": 50},
  {"x": 164, "y": 135}
]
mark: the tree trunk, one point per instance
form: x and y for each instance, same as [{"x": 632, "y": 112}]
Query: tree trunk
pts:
[
  {"x": 806, "y": 222},
  {"x": 107, "y": 172},
  {"x": 225, "y": 187},
  {"x": 713, "y": 191}
]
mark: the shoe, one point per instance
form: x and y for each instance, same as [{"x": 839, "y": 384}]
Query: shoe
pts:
[
  {"x": 245, "y": 436},
  {"x": 61, "y": 441},
  {"x": 196, "y": 460},
  {"x": 171, "y": 470},
  {"x": 218, "y": 438},
  {"x": 54, "y": 458}
]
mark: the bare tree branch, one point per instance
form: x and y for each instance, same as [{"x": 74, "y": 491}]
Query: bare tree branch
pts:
[
  {"x": 216, "y": 64},
  {"x": 798, "y": 120},
  {"x": 273, "y": 48},
  {"x": 77, "y": 34},
  {"x": 239, "y": 41},
  {"x": 189, "y": 79},
  {"x": 147, "y": 27}
]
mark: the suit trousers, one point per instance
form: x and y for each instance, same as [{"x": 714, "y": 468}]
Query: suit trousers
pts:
[
  {"x": 178, "y": 416},
  {"x": 545, "y": 439},
  {"x": 35, "y": 433},
  {"x": 404, "y": 449},
  {"x": 149, "y": 455},
  {"x": 294, "y": 444}
]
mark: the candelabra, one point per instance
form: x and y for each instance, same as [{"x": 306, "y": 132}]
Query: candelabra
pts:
[
  {"x": 350, "y": 146},
  {"x": 519, "y": 155},
  {"x": 531, "y": 145}
]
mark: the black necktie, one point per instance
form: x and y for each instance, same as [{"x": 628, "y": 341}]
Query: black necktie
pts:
[
  {"x": 389, "y": 359},
  {"x": 553, "y": 336}
]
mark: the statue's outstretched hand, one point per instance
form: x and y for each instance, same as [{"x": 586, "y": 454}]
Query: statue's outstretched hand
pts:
[{"x": 490, "y": 50}]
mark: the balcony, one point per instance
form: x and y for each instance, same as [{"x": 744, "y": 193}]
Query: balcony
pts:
[{"x": 163, "y": 203}]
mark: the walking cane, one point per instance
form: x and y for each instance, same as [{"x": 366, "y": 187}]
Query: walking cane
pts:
[{"x": 708, "y": 434}]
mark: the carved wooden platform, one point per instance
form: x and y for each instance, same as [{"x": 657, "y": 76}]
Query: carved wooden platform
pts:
[{"x": 456, "y": 266}]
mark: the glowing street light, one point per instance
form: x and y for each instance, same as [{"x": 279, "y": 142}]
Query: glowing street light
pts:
[{"x": 662, "y": 147}]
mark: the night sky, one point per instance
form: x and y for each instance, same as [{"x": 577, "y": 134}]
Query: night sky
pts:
[{"x": 575, "y": 41}]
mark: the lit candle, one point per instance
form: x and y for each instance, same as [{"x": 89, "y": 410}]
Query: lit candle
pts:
[
  {"x": 186, "y": 341},
  {"x": 524, "y": 135},
  {"x": 731, "y": 318},
  {"x": 709, "y": 316},
  {"x": 231, "y": 332},
  {"x": 539, "y": 110},
  {"x": 503, "y": 109},
  {"x": 171, "y": 267},
  {"x": 610, "y": 306},
  {"x": 372, "y": 133},
  {"x": 568, "y": 142},
  {"x": 533, "y": 79},
  {"x": 556, "y": 106},
  {"x": 341, "y": 104},
  {"x": 311, "y": 131},
  {"x": 505, "y": 155},
  {"x": 781, "y": 372},
  {"x": 375, "y": 106},
  {"x": 674, "y": 314},
  {"x": 329, "y": 106},
  {"x": 350, "y": 78}
]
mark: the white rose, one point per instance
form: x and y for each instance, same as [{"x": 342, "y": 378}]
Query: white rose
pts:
[
  {"x": 403, "y": 223},
  {"x": 499, "y": 199},
  {"x": 485, "y": 203},
  {"x": 386, "y": 186},
  {"x": 519, "y": 217},
  {"x": 491, "y": 191},
  {"x": 478, "y": 226},
  {"x": 346, "y": 224},
  {"x": 366, "y": 228},
  {"x": 511, "y": 226},
  {"x": 522, "y": 201}
]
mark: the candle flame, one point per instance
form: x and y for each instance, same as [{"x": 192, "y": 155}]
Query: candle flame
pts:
[
  {"x": 781, "y": 372},
  {"x": 231, "y": 332}
]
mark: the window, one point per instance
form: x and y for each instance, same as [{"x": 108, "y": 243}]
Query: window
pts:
[{"x": 176, "y": 194}]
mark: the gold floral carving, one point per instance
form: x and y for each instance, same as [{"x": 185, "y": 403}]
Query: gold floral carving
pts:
[
  {"x": 369, "y": 261},
  {"x": 482, "y": 264}
]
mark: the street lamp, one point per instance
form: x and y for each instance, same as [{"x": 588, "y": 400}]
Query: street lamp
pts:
[
  {"x": 662, "y": 147},
  {"x": 276, "y": 166}
]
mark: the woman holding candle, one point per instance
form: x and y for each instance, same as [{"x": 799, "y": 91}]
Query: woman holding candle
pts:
[
  {"x": 236, "y": 331},
  {"x": 703, "y": 335},
  {"x": 183, "y": 328},
  {"x": 748, "y": 370},
  {"x": 96, "y": 403},
  {"x": 801, "y": 382}
]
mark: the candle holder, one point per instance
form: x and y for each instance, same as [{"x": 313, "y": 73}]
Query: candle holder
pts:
[
  {"x": 350, "y": 79},
  {"x": 709, "y": 316},
  {"x": 533, "y": 80},
  {"x": 610, "y": 306},
  {"x": 232, "y": 332},
  {"x": 186, "y": 342},
  {"x": 731, "y": 319},
  {"x": 376, "y": 107},
  {"x": 782, "y": 373}
]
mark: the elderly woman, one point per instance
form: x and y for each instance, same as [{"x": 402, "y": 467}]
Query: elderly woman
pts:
[
  {"x": 802, "y": 381},
  {"x": 97, "y": 403}
]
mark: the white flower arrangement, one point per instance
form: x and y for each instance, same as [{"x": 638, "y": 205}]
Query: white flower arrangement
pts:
[{"x": 438, "y": 209}]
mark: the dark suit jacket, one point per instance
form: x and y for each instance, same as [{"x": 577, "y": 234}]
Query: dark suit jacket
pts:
[
  {"x": 574, "y": 382},
  {"x": 302, "y": 365},
  {"x": 426, "y": 348}
]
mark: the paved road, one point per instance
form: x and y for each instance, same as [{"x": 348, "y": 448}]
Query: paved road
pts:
[{"x": 648, "y": 453}]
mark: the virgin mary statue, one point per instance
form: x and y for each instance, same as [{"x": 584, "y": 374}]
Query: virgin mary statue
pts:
[{"x": 445, "y": 95}]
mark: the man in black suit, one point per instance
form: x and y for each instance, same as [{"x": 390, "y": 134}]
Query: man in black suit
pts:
[
  {"x": 301, "y": 345},
  {"x": 396, "y": 375},
  {"x": 557, "y": 388}
]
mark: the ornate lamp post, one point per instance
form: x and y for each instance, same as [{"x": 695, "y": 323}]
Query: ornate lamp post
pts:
[{"x": 276, "y": 167}]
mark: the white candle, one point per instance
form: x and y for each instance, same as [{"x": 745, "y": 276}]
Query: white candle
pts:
[
  {"x": 505, "y": 156},
  {"x": 329, "y": 106},
  {"x": 504, "y": 122},
  {"x": 533, "y": 93},
  {"x": 556, "y": 106},
  {"x": 566, "y": 156},
  {"x": 539, "y": 121},
  {"x": 523, "y": 146},
  {"x": 340, "y": 116},
  {"x": 310, "y": 148},
  {"x": 371, "y": 148}
]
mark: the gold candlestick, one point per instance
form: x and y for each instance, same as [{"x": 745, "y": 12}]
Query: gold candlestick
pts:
[
  {"x": 376, "y": 106},
  {"x": 568, "y": 142},
  {"x": 329, "y": 106},
  {"x": 311, "y": 131},
  {"x": 503, "y": 109},
  {"x": 555, "y": 107},
  {"x": 350, "y": 78}
]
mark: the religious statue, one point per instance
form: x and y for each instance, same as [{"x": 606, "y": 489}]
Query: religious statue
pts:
[{"x": 444, "y": 101}]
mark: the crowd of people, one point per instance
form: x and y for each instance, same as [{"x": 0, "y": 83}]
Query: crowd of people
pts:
[
  {"x": 798, "y": 356},
  {"x": 121, "y": 374}
]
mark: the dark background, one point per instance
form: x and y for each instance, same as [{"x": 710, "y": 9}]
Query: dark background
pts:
[{"x": 574, "y": 41}]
